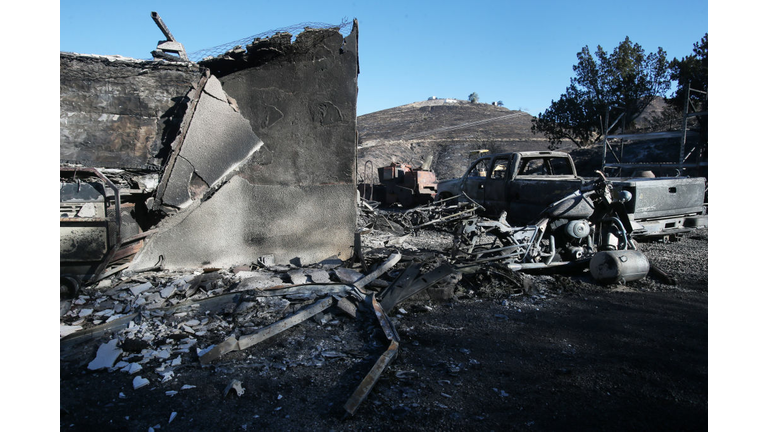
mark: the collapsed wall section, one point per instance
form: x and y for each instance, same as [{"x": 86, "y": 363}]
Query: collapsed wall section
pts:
[
  {"x": 293, "y": 195},
  {"x": 214, "y": 141}
]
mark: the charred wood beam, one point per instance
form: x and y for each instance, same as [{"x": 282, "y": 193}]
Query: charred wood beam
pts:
[
  {"x": 234, "y": 344},
  {"x": 365, "y": 387}
]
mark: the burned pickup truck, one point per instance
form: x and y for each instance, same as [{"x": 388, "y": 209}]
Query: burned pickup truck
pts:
[{"x": 523, "y": 184}]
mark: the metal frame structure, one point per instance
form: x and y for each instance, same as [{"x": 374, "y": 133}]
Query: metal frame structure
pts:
[{"x": 681, "y": 163}]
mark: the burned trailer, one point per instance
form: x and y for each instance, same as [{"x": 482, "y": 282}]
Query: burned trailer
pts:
[{"x": 402, "y": 184}]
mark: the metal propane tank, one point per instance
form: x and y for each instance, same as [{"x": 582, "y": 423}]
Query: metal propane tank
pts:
[{"x": 619, "y": 265}]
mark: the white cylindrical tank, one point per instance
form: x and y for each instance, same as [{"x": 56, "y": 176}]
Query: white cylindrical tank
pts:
[{"x": 619, "y": 265}]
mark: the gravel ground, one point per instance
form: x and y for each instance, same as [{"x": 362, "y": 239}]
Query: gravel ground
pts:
[{"x": 514, "y": 352}]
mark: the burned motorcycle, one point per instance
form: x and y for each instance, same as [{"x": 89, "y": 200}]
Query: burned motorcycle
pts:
[{"x": 589, "y": 226}]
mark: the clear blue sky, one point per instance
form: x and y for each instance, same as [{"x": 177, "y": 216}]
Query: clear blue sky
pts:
[{"x": 518, "y": 52}]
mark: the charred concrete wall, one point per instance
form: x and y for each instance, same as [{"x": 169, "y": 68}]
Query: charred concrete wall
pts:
[
  {"x": 301, "y": 100},
  {"x": 117, "y": 112},
  {"x": 293, "y": 194}
]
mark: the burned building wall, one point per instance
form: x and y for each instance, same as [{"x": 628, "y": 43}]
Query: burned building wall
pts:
[
  {"x": 301, "y": 100},
  {"x": 293, "y": 195},
  {"x": 118, "y": 112}
]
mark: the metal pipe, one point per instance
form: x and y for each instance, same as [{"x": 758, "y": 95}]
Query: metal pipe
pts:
[
  {"x": 531, "y": 266},
  {"x": 685, "y": 122},
  {"x": 163, "y": 27},
  {"x": 552, "y": 246}
]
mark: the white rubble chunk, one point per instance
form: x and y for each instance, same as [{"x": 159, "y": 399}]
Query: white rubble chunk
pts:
[
  {"x": 171, "y": 393},
  {"x": 201, "y": 352},
  {"x": 138, "y": 289},
  {"x": 148, "y": 182},
  {"x": 173, "y": 416},
  {"x": 120, "y": 365},
  {"x": 167, "y": 376},
  {"x": 132, "y": 368},
  {"x": 164, "y": 354},
  {"x": 259, "y": 280},
  {"x": 298, "y": 277},
  {"x": 319, "y": 276},
  {"x": 185, "y": 346},
  {"x": 247, "y": 274},
  {"x": 106, "y": 356},
  {"x": 187, "y": 387},
  {"x": 167, "y": 291},
  {"x": 65, "y": 330},
  {"x": 139, "y": 382},
  {"x": 85, "y": 312},
  {"x": 348, "y": 276},
  {"x": 88, "y": 210}
]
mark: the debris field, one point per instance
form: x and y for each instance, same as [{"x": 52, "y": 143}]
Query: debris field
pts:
[{"x": 272, "y": 346}]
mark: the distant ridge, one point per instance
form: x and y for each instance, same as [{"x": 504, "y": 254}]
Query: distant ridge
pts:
[{"x": 446, "y": 129}]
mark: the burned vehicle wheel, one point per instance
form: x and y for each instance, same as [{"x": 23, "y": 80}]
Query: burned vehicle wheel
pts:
[{"x": 68, "y": 288}]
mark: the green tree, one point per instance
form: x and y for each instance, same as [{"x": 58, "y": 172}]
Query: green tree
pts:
[
  {"x": 624, "y": 81},
  {"x": 691, "y": 69},
  {"x": 474, "y": 98}
]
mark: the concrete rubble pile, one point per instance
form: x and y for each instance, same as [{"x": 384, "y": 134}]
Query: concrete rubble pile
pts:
[{"x": 153, "y": 325}]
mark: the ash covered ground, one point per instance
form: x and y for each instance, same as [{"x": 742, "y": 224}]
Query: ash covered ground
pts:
[{"x": 482, "y": 351}]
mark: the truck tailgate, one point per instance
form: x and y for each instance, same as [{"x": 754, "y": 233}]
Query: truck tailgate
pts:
[{"x": 660, "y": 197}]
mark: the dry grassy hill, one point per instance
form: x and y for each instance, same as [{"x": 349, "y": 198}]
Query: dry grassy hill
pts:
[{"x": 447, "y": 131}]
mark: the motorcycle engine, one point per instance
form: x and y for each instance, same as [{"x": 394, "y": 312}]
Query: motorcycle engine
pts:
[{"x": 577, "y": 229}]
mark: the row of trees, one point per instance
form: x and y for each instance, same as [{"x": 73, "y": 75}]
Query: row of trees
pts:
[
  {"x": 475, "y": 98},
  {"x": 623, "y": 81}
]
